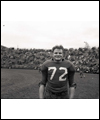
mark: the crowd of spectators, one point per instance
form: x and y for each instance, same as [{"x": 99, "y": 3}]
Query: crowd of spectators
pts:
[{"x": 85, "y": 58}]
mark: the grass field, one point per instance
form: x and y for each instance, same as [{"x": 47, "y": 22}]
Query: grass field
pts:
[{"x": 23, "y": 84}]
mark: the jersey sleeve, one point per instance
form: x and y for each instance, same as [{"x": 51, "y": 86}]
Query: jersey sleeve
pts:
[
  {"x": 71, "y": 73},
  {"x": 44, "y": 71}
]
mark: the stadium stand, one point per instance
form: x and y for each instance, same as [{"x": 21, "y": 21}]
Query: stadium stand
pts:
[{"x": 86, "y": 58}]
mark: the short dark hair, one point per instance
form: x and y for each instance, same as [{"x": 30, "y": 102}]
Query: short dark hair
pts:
[{"x": 58, "y": 47}]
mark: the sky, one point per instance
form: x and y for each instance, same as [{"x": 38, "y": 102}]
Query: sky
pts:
[
  {"x": 42, "y": 25},
  {"x": 47, "y": 34}
]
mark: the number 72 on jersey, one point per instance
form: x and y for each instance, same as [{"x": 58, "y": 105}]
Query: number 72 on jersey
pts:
[{"x": 55, "y": 70}]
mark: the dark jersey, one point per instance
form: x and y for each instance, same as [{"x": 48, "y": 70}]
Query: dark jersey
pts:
[{"x": 57, "y": 75}]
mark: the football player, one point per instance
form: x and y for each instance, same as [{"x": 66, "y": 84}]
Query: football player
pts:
[
  {"x": 81, "y": 72},
  {"x": 57, "y": 77}
]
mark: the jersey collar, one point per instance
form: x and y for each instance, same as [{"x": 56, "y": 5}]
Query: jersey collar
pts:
[{"x": 62, "y": 59}]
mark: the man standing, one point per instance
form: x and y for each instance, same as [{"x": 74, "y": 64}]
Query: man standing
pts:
[
  {"x": 81, "y": 72},
  {"x": 57, "y": 77}
]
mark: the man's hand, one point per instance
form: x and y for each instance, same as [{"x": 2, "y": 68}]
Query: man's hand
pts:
[
  {"x": 41, "y": 91},
  {"x": 71, "y": 92}
]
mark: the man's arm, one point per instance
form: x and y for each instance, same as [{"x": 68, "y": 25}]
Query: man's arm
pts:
[
  {"x": 72, "y": 85},
  {"x": 41, "y": 91},
  {"x": 72, "y": 91},
  {"x": 42, "y": 84}
]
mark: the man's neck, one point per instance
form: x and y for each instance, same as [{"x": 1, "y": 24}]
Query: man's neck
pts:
[{"x": 58, "y": 61}]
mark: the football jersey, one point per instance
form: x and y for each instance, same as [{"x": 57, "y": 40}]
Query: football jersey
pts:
[{"x": 57, "y": 75}]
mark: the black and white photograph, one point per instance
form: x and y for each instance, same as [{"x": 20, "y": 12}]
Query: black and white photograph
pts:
[{"x": 49, "y": 50}]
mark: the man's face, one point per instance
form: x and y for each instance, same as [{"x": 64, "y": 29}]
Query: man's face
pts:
[{"x": 58, "y": 54}]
